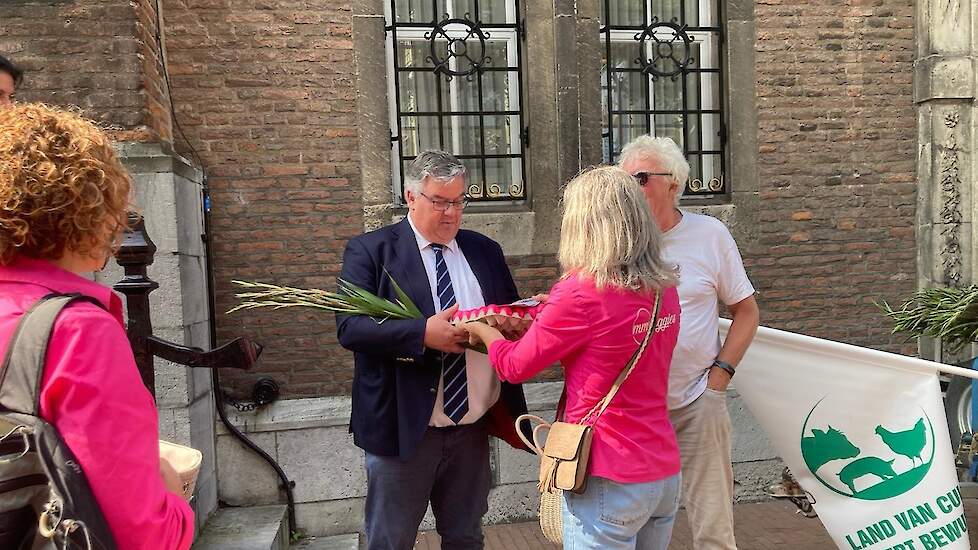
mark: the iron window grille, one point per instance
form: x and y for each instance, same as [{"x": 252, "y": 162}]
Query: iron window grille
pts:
[
  {"x": 662, "y": 74},
  {"x": 456, "y": 84}
]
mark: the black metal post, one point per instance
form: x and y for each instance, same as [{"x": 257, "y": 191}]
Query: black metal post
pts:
[{"x": 135, "y": 255}]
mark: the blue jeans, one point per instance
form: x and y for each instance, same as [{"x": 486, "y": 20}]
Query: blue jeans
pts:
[{"x": 611, "y": 515}]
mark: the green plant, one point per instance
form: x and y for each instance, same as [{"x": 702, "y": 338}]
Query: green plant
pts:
[
  {"x": 350, "y": 299},
  {"x": 950, "y": 314}
]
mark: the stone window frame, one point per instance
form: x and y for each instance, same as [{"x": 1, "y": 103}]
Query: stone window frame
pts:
[{"x": 562, "y": 99}]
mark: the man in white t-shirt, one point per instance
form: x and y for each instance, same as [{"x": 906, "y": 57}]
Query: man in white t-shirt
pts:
[{"x": 710, "y": 271}]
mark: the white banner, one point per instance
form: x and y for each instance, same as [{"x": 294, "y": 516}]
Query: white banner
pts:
[{"x": 864, "y": 433}]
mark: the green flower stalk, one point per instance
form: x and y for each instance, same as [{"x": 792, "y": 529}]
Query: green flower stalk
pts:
[
  {"x": 350, "y": 299},
  {"x": 950, "y": 314}
]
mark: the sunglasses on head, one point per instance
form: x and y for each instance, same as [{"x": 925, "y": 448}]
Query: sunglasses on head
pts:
[{"x": 643, "y": 177}]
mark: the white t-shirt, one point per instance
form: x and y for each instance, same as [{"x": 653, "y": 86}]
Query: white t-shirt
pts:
[{"x": 710, "y": 269}]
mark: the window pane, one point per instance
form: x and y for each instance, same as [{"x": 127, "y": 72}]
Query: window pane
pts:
[
  {"x": 473, "y": 177},
  {"x": 705, "y": 175},
  {"x": 464, "y": 132},
  {"x": 670, "y": 126},
  {"x": 623, "y": 54},
  {"x": 419, "y": 133},
  {"x": 628, "y": 91},
  {"x": 413, "y": 53},
  {"x": 496, "y": 94},
  {"x": 624, "y": 12},
  {"x": 667, "y": 10},
  {"x": 499, "y": 137},
  {"x": 666, "y": 94},
  {"x": 419, "y": 91},
  {"x": 414, "y": 11},
  {"x": 627, "y": 128},
  {"x": 710, "y": 132},
  {"x": 498, "y": 52},
  {"x": 501, "y": 174},
  {"x": 490, "y": 11},
  {"x": 693, "y": 91}
]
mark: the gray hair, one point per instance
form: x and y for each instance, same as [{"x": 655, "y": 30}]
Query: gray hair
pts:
[
  {"x": 437, "y": 165},
  {"x": 608, "y": 233},
  {"x": 663, "y": 149}
]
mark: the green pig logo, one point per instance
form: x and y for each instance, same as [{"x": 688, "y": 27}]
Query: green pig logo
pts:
[{"x": 904, "y": 451}]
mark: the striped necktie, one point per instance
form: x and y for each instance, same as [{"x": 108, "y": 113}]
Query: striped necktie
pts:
[{"x": 456, "y": 394}]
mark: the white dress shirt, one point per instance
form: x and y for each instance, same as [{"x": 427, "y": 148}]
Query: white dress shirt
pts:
[{"x": 481, "y": 380}]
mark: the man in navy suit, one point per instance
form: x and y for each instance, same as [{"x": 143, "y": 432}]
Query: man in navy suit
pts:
[{"x": 424, "y": 406}]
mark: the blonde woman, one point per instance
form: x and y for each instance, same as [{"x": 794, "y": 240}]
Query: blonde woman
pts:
[{"x": 595, "y": 318}]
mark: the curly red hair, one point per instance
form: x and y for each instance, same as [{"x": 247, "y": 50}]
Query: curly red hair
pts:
[{"x": 62, "y": 186}]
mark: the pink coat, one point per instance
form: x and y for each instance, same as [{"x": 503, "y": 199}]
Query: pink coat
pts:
[
  {"x": 593, "y": 333},
  {"x": 92, "y": 393}
]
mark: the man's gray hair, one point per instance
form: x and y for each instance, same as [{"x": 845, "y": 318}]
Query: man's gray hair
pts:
[
  {"x": 437, "y": 165},
  {"x": 663, "y": 149}
]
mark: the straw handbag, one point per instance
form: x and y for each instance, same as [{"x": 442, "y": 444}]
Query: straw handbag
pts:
[
  {"x": 186, "y": 461},
  {"x": 565, "y": 455}
]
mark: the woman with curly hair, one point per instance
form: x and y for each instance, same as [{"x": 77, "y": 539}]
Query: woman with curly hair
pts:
[{"x": 64, "y": 197}]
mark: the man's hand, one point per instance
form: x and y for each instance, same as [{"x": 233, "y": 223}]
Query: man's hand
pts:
[
  {"x": 718, "y": 379},
  {"x": 442, "y": 335}
]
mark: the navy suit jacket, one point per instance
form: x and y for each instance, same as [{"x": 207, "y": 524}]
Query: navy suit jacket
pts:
[{"x": 395, "y": 378}]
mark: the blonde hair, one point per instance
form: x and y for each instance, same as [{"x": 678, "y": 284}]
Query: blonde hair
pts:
[
  {"x": 61, "y": 184},
  {"x": 608, "y": 233}
]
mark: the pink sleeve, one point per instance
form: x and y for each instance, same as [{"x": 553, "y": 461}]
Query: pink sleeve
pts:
[
  {"x": 559, "y": 329},
  {"x": 93, "y": 395}
]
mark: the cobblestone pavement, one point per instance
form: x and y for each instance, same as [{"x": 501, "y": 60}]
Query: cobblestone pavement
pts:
[{"x": 760, "y": 526}]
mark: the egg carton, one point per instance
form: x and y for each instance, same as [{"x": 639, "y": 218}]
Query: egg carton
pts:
[{"x": 492, "y": 315}]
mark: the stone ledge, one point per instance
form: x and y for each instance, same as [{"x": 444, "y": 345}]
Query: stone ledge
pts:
[
  {"x": 150, "y": 158},
  {"x": 726, "y": 213},
  {"x": 513, "y": 230},
  {"x": 253, "y": 528},
  {"x": 944, "y": 77},
  {"x": 327, "y": 412}
]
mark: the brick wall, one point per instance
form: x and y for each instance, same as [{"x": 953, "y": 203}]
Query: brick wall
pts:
[
  {"x": 265, "y": 92},
  {"x": 156, "y": 110},
  {"x": 837, "y": 153},
  {"x": 87, "y": 53}
]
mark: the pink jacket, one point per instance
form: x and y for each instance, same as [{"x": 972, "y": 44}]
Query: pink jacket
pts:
[
  {"x": 93, "y": 395},
  {"x": 593, "y": 333}
]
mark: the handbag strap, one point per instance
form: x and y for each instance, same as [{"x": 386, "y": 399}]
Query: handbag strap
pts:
[{"x": 600, "y": 406}]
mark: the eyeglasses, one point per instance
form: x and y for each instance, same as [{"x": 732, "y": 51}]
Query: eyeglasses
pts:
[
  {"x": 443, "y": 206},
  {"x": 643, "y": 177}
]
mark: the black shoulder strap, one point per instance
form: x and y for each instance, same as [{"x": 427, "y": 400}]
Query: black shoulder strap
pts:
[{"x": 23, "y": 365}]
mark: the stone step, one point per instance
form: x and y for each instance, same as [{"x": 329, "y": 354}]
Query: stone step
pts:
[
  {"x": 246, "y": 528},
  {"x": 337, "y": 542}
]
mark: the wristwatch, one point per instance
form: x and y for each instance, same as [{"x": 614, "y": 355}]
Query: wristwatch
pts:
[{"x": 723, "y": 365}]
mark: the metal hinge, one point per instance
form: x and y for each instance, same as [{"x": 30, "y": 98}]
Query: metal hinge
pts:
[{"x": 525, "y": 136}]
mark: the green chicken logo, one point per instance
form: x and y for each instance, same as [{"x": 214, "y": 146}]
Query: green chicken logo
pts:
[{"x": 894, "y": 461}]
